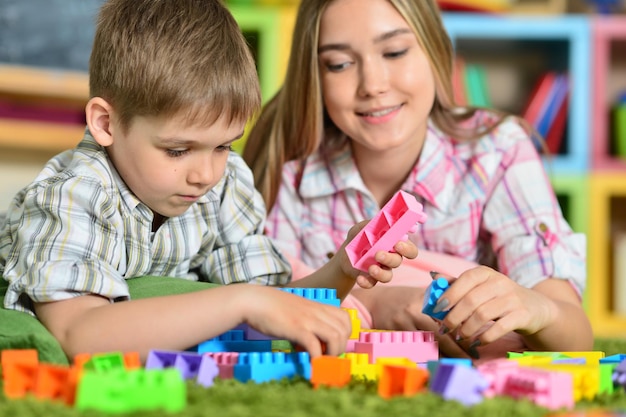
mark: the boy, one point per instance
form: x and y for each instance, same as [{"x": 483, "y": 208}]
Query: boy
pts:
[{"x": 153, "y": 189}]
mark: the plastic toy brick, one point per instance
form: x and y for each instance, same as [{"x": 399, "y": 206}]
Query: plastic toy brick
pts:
[
  {"x": 188, "y": 364},
  {"x": 619, "y": 374},
  {"x": 50, "y": 382},
  {"x": 549, "y": 389},
  {"x": 121, "y": 391},
  {"x": 434, "y": 291},
  {"x": 360, "y": 366},
  {"x": 432, "y": 365},
  {"x": 207, "y": 371},
  {"x": 330, "y": 371},
  {"x": 401, "y": 381},
  {"x": 460, "y": 383},
  {"x": 395, "y": 220},
  {"x": 225, "y": 361},
  {"x": 354, "y": 321},
  {"x": 606, "y": 378},
  {"x": 102, "y": 362},
  {"x": 132, "y": 360},
  {"x": 268, "y": 366},
  {"x": 585, "y": 378},
  {"x": 614, "y": 358},
  {"x": 418, "y": 346},
  {"x": 234, "y": 341},
  {"x": 19, "y": 370},
  {"x": 496, "y": 372},
  {"x": 321, "y": 295},
  {"x": 161, "y": 359}
]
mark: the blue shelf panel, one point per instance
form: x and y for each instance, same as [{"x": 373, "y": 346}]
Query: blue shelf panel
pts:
[{"x": 574, "y": 31}]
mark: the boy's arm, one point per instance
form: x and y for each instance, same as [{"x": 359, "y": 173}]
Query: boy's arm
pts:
[{"x": 90, "y": 324}]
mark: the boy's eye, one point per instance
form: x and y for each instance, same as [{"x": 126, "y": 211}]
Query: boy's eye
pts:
[
  {"x": 175, "y": 153},
  {"x": 224, "y": 148}
]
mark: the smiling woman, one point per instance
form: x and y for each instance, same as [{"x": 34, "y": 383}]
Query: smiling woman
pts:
[{"x": 367, "y": 109}]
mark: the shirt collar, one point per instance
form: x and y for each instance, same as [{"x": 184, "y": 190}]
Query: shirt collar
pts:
[{"x": 325, "y": 175}]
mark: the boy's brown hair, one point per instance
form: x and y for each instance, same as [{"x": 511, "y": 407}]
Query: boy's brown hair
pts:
[{"x": 172, "y": 58}]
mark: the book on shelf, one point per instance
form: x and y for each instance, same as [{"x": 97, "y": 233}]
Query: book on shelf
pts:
[
  {"x": 458, "y": 82},
  {"x": 476, "y": 86},
  {"x": 619, "y": 272},
  {"x": 546, "y": 109}
]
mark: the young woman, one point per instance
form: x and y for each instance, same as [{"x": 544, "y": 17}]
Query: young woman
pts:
[{"x": 367, "y": 109}]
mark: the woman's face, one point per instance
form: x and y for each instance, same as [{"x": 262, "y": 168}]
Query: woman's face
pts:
[{"x": 377, "y": 83}]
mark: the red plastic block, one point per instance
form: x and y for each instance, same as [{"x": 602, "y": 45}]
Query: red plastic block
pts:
[
  {"x": 418, "y": 346},
  {"x": 330, "y": 371},
  {"x": 392, "y": 224},
  {"x": 225, "y": 361}
]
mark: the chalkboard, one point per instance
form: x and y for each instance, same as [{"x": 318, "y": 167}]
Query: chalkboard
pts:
[{"x": 47, "y": 33}]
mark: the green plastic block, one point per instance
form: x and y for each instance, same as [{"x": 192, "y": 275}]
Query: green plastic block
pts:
[
  {"x": 103, "y": 362},
  {"x": 129, "y": 391},
  {"x": 619, "y": 127}
]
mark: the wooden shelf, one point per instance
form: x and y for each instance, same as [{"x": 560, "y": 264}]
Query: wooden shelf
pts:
[
  {"x": 64, "y": 85},
  {"x": 39, "y": 136}
]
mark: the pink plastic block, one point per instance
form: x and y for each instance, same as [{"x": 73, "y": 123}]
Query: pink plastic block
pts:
[
  {"x": 496, "y": 372},
  {"x": 418, "y": 346},
  {"x": 225, "y": 361},
  {"x": 392, "y": 224},
  {"x": 548, "y": 389}
]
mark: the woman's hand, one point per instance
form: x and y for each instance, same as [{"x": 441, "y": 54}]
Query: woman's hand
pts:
[
  {"x": 386, "y": 261},
  {"x": 483, "y": 305}
]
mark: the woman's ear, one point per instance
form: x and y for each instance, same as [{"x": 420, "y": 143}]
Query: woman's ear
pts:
[{"x": 99, "y": 112}]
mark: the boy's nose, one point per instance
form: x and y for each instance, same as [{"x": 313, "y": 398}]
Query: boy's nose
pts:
[{"x": 202, "y": 173}]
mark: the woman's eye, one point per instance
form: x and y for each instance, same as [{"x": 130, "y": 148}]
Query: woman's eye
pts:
[
  {"x": 337, "y": 67},
  {"x": 396, "y": 54}
]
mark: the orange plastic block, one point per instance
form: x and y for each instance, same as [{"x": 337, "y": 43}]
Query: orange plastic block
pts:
[
  {"x": 401, "y": 381},
  {"x": 19, "y": 369},
  {"x": 330, "y": 371},
  {"x": 50, "y": 382},
  {"x": 71, "y": 385},
  {"x": 81, "y": 359},
  {"x": 132, "y": 360}
]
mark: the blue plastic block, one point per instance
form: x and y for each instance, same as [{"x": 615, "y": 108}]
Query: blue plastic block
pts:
[
  {"x": 268, "y": 366},
  {"x": 234, "y": 341},
  {"x": 322, "y": 295},
  {"x": 434, "y": 291}
]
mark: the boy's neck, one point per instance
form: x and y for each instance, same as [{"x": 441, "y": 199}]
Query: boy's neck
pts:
[{"x": 157, "y": 221}]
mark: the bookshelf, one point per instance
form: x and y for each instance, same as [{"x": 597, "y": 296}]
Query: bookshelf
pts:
[{"x": 31, "y": 88}]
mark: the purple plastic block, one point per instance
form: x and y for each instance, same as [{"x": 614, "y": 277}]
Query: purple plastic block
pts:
[
  {"x": 395, "y": 220},
  {"x": 460, "y": 383},
  {"x": 207, "y": 371},
  {"x": 188, "y": 364},
  {"x": 160, "y": 359}
]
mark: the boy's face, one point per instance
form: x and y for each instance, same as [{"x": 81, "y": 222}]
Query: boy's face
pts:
[{"x": 169, "y": 165}]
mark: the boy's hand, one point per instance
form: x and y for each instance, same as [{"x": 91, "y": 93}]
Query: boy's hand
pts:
[
  {"x": 386, "y": 260},
  {"x": 308, "y": 323}
]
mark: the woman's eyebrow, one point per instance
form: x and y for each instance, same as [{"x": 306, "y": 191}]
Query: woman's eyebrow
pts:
[{"x": 377, "y": 39}]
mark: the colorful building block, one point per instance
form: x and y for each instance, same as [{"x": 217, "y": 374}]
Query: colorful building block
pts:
[
  {"x": 395, "y": 220},
  {"x": 550, "y": 389},
  {"x": 434, "y": 291},
  {"x": 321, "y": 295},
  {"x": 268, "y": 366},
  {"x": 418, "y": 346},
  {"x": 120, "y": 391},
  {"x": 460, "y": 383},
  {"x": 233, "y": 341},
  {"x": 225, "y": 361},
  {"x": 330, "y": 371},
  {"x": 401, "y": 381}
]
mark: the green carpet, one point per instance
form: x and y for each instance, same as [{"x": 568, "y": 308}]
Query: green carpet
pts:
[{"x": 230, "y": 398}]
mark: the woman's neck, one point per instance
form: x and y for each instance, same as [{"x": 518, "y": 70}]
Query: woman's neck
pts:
[{"x": 384, "y": 172}]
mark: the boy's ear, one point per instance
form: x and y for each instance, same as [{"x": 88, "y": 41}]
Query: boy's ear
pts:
[{"x": 99, "y": 113}]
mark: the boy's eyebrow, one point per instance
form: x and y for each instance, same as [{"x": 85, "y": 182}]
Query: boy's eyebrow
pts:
[
  {"x": 185, "y": 142},
  {"x": 377, "y": 39}
]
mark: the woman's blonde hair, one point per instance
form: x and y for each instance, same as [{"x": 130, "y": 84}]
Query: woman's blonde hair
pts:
[{"x": 293, "y": 125}]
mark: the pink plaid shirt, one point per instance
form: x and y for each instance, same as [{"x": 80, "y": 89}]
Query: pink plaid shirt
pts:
[{"x": 488, "y": 201}]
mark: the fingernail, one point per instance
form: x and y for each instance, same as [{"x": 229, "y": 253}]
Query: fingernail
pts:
[
  {"x": 473, "y": 352},
  {"x": 443, "y": 330},
  {"x": 433, "y": 274},
  {"x": 441, "y": 305}
]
